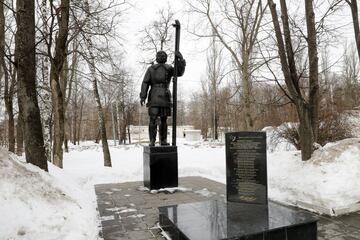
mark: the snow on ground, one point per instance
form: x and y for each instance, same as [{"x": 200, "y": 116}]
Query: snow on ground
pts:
[
  {"x": 35, "y": 205},
  {"x": 62, "y": 204},
  {"x": 327, "y": 183},
  {"x": 85, "y": 162}
]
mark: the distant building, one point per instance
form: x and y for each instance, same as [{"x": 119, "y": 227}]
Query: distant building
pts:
[
  {"x": 192, "y": 135},
  {"x": 141, "y": 133}
]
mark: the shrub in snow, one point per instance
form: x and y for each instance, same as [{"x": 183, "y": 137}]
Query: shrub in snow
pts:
[{"x": 332, "y": 127}]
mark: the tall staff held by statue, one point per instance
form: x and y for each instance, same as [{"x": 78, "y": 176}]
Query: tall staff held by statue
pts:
[{"x": 177, "y": 45}]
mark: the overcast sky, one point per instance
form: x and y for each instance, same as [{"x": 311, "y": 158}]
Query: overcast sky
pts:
[{"x": 142, "y": 14}]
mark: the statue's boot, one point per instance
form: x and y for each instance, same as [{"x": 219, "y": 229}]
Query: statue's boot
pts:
[
  {"x": 152, "y": 134},
  {"x": 163, "y": 133}
]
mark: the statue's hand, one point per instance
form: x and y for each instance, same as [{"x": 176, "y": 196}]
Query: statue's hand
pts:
[
  {"x": 142, "y": 102},
  {"x": 178, "y": 55}
]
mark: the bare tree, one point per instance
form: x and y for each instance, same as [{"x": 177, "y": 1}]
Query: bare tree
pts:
[
  {"x": 326, "y": 83},
  {"x": 61, "y": 13},
  {"x": 205, "y": 109},
  {"x": 91, "y": 64},
  {"x": 125, "y": 102},
  {"x": 355, "y": 16},
  {"x": 313, "y": 72},
  {"x": 45, "y": 102},
  {"x": 107, "y": 158},
  {"x": 20, "y": 135},
  {"x": 236, "y": 25},
  {"x": 306, "y": 105},
  {"x": 2, "y": 39},
  {"x": 8, "y": 71},
  {"x": 350, "y": 74},
  {"x": 26, "y": 76},
  {"x": 215, "y": 72},
  {"x": 74, "y": 98},
  {"x": 157, "y": 35}
]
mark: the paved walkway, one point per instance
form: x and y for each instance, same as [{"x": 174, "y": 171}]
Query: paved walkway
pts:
[{"x": 128, "y": 212}]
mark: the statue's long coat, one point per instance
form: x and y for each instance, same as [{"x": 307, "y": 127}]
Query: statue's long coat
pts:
[{"x": 157, "y": 78}]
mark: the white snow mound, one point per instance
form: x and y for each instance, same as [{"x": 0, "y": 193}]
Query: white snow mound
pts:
[
  {"x": 327, "y": 183},
  {"x": 36, "y": 205}
]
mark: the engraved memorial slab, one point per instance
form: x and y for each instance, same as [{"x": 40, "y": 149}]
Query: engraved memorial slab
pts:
[{"x": 246, "y": 174}]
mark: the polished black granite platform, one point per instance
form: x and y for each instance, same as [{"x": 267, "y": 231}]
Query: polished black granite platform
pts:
[
  {"x": 160, "y": 167},
  {"x": 217, "y": 219}
]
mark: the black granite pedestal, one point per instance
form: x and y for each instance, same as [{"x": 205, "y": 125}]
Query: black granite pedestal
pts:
[
  {"x": 160, "y": 167},
  {"x": 218, "y": 219}
]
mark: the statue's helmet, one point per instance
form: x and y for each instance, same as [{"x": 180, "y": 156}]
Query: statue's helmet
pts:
[{"x": 161, "y": 56}]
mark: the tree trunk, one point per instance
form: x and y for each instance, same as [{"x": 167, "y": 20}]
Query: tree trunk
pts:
[
  {"x": 8, "y": 97},
  {"x": 120, "y": 123},
  {"x": 75, "y": 108},
  {"x": 47, "y": 104},
  {"x": 216, "y": 127},
  {"x": 11, "y": 127},
  {"x": 307, "y": 110},
  {"x": 80, "y": 120},
  {"x": 48, "y": 124},
  {"x": 248, "y": 124},
  {"x": 123, "y": 124},
  {"x": 55, "y": 82},
  {"x": 9, "y": 84},
  {"x": 123, "y": 133},
  {"x": 66, "y": 144},
  {"x": 74, "y": 121},
  {"x": 355, "y": 17},
  {"x": 19, "y": 135},
  {"x": 306, "y": 135},
  {"x": 58, "y": 106},
  {"x": 313, "y": 69},
  {"x": 64, "y": 83},
  {"x": 114, "y": 127},
  {"x": 26, "y": 76},
  {"x": 98, "y": 135},
  {"x": 101, "y": 117},
  {"x": 105, "y": 146},
  {"x": 2, "y": 40},
  {"x": 129, "y": 134}
]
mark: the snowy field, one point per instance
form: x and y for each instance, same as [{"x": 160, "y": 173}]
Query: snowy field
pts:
[{"x": 61, "y": 204}]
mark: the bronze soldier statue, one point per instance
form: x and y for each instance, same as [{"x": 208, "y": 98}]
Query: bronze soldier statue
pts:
[{"x": 157, "y": 78}]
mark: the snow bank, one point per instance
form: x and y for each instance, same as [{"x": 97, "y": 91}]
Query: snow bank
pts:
[
  {"x": 327, "y": 183},
  {"x": 36, "y": 205},
  {"x": 85, "y": 164}
]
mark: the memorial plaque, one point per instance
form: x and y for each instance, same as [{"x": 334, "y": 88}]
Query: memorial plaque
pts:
[{"x": 246, "y": 172}]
